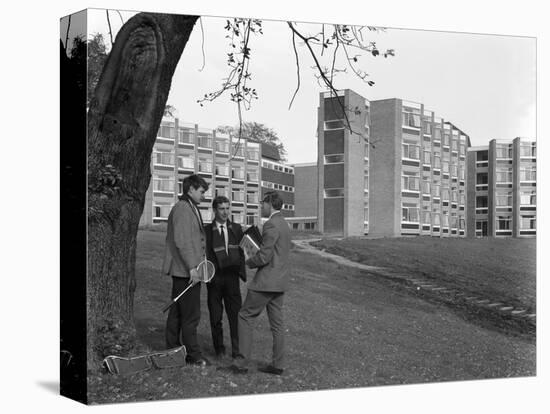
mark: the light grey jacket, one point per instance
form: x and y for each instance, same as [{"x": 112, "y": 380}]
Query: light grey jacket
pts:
[
  {"x": 272, "y": 260},
  {"x": 185, "y": 240}
]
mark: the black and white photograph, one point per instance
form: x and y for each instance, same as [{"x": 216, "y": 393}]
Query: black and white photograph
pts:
[{"x": 258, "y": 205}]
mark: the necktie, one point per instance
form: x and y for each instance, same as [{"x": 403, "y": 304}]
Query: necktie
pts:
[{"x": 222, "y": 232}]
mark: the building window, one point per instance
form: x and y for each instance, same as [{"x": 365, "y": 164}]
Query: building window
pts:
[
  {"x": 503, "y": 151},
  {"x": 186, "y": 136},
  {"x": 251, "y": 219},
  {"x": 334, "y": 192},
  {"x": 528, "y": 222},
  {"x": 504, "y": 223},
  {"x": 222, "y": 191},
  {"x": 163, "y": 184},
  {"x": 237, "y": 149},
  {"x": 411, "y": 120},
  {"x": 252, "y": 175},
  {"x": 237, "y": 195},
  {"x": 528, "y": 173},
  {"x": 205, "y": 141},
  {"x": 482, "y": 179},
  {"x": 436, "y": 219},
  {"x": 237, "y": 217},
  {"x": 222, "y": 146},
  {"x": 426, "y": 186},
  {"x": 503, "y": 199},
  {"x": 504, "y": 175},
  {"x": 335, "y": 124},
  {"x": 163, "y": 158},
  {"x": 426, "y": 217},
  {"x": 252, "y": 154},
  {"x": 445, "y": 194},
  {"x": 528, "y": 150},
  {"x": 222, "y": 170},
  {"x": 427, "y": 127},
  {"x": 295, "y": 226},
  {"x": 410, "y": 213},
  {"x": 252, "y": 197},
  {"x": 411, "y": 151},
  {"x": 334, "y": 159},
  {"x": 410, "y": 182},
  {"x": 427, "y": 157},
  {"x": 237, "y": 173},
  {"x": 437, "y": 160},
  {"x": 167, "y": 131},
  {"x": 528, "y": 198},
  {"x": 186, "y": 162},
  {"x": 445, "y": 219},
  {"x": 162, "y": 210},
  {"x": 205, "y": 165},
  {"x": 436, "y": 190},
  {"x": 309, "y": 226}
]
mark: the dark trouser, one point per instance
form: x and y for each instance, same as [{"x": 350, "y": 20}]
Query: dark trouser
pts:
[
  {"x": 252, "y": 307},
  {"x": 184, "y": 317},
  {"x": 224, "y": 287}
]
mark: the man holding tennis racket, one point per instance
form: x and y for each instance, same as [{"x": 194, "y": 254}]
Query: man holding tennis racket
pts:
[
  {"x": 185, "y": 249},
  {"x": 267, "y": 287}
]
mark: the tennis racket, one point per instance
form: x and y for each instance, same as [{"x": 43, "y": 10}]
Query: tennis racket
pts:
[{"x": 206, "y": 270}]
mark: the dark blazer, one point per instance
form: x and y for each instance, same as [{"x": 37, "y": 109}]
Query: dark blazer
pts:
[
  {"x": 272, "y": 260},
  {"x": 235, "y": 234},
  {"x": 185, "y": 240}
]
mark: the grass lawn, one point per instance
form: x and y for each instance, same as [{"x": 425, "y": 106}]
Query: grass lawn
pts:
[
  {"x": 499, "y": 269},
  {"x": 344, "y": 327}
]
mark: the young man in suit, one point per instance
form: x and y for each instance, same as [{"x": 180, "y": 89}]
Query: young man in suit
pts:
[
  {"x": 185, "y": 249},
  {"x": 222, "y": 248},
  {"x": 266, "y": 289}
]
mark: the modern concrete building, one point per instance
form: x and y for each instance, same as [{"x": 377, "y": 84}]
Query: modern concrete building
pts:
[
  {"x": 417, "y": 172},
  {"x": 400, "y": 170},
  {"x": 502, "y": 189},
  {"x": 241, "y": 170}
]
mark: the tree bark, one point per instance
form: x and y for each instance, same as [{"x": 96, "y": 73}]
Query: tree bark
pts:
[{"x": 123, "y": 120}]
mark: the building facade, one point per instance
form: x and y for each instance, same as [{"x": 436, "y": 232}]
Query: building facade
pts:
[
  {"x": 232, "y": 167},
  {"x": 502, "y": 189},
  {"x": 401, "y": 170},
  {"x": 417, "y": 172}
]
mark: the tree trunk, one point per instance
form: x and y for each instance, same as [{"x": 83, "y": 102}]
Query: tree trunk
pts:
[{"x": 123, "y": 121}]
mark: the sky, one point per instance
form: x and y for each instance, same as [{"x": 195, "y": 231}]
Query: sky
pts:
[{"x": 484, "y": 84}]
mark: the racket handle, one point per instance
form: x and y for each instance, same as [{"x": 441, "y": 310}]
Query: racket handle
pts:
[{"x": 168, "y": 306}]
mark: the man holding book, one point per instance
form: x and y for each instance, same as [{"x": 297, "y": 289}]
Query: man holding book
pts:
[
  {"x": 267, "y": 287},
  {"x": 222, "y": 247}
]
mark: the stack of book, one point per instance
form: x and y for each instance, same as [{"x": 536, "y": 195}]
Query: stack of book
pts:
[{"x": 251, "y": 241}]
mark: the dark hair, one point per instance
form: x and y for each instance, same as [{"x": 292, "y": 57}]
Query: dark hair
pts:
[
  {"x": 219, "y": 200},
  {"x": 273, "y": 198},
  {"x": 194, "y": 181}
]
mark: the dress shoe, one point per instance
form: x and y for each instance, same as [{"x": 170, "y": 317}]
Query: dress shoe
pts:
[
  {"x": 200, "y": 362},
  {"x": 270, "y": 369}
]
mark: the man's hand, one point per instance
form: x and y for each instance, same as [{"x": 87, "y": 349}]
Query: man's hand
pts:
[{"x": 195, "y": 278}]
